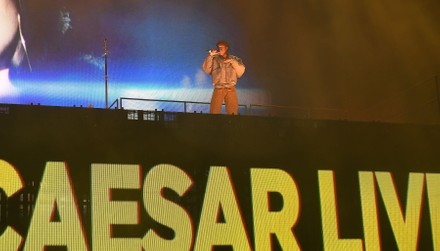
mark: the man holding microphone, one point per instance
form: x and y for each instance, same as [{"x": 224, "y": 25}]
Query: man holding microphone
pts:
[{"x": 225, "y": 69}]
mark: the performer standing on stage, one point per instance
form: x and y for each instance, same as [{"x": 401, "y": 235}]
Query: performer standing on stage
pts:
[{"x": 225, "y": 69}]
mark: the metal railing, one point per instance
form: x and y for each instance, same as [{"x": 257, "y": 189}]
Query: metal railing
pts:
[
  {"x": 184, "y": 103},
  {"x": 424, "y": 108},
  {"x": 252, "y": 109}
]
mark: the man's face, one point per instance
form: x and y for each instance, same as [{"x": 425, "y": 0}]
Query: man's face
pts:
[
  {"x": 8, "y": 24},
  {"x": 223, "y": 49}
]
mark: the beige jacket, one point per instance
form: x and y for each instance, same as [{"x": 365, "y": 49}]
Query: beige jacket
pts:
[{"x": 223, "y": 74}]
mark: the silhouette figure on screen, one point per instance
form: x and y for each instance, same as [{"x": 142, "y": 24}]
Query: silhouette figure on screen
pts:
[{"x": 224, "y": 69}]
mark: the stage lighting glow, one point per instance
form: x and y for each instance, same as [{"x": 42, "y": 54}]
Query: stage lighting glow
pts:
[{"x": 155, "y": 51}]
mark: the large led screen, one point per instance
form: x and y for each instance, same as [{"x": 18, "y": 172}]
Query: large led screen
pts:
[
  {"x": 155, "y": 51},
  {"x": 97, "y": 179}
]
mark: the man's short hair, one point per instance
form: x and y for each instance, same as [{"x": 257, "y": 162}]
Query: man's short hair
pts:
[{"x": 222, "y": 42}]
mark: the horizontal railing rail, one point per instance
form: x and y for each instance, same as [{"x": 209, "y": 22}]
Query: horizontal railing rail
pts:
[
  {"x": 185, "y": 103},
  {"x": 252, "y": 109}
]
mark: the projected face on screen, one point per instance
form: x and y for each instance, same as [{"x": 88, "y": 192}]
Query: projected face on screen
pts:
[
  {"x": 155, "y": 49},
  {"x": 11, "y": 50}
]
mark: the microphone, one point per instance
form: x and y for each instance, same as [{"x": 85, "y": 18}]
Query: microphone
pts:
[{"x": 214, "y": 51}]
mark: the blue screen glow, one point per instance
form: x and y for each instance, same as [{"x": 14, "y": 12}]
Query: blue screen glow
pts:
[{"x": 155, "y": 51}]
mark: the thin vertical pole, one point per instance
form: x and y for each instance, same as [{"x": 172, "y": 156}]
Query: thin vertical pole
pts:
[{"x": 105, "y": 72}]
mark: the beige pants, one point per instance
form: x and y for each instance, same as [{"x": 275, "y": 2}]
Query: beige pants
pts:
[{"x": 229, "y": 95}]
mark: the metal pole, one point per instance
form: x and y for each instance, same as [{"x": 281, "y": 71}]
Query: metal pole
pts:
[{"x": 105, "y": 72}]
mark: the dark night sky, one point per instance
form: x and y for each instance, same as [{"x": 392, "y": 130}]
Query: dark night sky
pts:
[{"x": 361, "y": 56}]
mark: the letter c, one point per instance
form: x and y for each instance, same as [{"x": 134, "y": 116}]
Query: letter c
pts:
[{"x": 10, "y": 183}]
